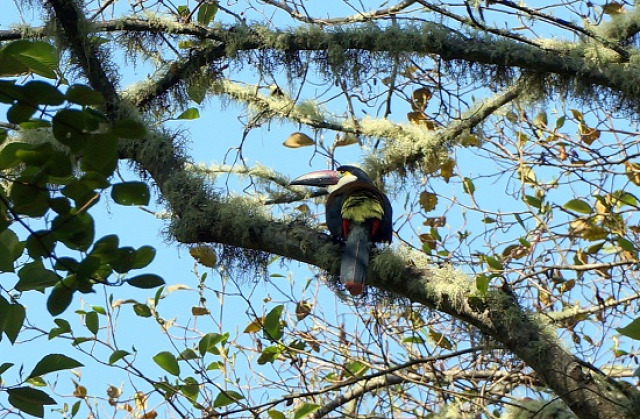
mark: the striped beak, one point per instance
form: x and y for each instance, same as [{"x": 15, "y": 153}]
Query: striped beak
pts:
[{"x": 317, "y": 178}]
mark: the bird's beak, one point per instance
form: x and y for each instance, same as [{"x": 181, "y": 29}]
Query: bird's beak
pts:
[{"x": 317, "y": 178}]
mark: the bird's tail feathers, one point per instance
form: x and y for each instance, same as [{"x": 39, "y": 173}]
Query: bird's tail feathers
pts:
[{"x": 355, "y": 259}]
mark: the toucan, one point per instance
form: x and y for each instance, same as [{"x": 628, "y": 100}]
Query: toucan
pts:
[{"x": 358, "y": 213}]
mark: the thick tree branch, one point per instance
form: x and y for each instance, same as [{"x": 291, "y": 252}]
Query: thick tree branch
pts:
[{"x": 204, "y": 217}]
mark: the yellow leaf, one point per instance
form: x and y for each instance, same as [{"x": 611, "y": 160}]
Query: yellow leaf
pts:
[
  {"x": 435, "y": 222},
  {"x": 80, "y": 391},
  {"x": 470, "y": 140},
  {"x": 613, "y": 8},
  {"x": 421, "y": 119},
  {"x": 419, "y": 99},
  {"x": 199, "y": 311},
  {"x": 303, "y": 309},
  {"x": 633, "y": 172},
  {"x": 567, "y": 285},
  {"x": 588, "y": 135},
  {"x": 429, "y": 240},
  {"x": 446, "y": 169},
  {"x": 297, "y": 140},
  {"x": 346, "y": 140},
  {"x": 304, "y": 208},
  {"x": 255, "y": 326},
  {"x": 428, "y": 201},
  {"x": 204, "y": 255},
  {"x": 526, "y": 174},
  {"x": 540, "y": 121},
  {"x": 577, "y": 115}
]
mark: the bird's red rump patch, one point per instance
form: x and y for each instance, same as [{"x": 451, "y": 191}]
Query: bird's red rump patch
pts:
[
  {"x": 354, "y": 288},
  {"x": 375, "y": 228},
  {"x": 345, "y": 227}
]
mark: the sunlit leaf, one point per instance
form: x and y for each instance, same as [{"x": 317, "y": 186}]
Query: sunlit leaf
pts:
[
  {"x": 54, "y": 362},
  {"x": 273, "y": 329},
  {"x": 146, "y": 281},
  {"x": 428, "y": 200},
  {"x": 189, "y": 114},
  {"x": 304, "y": 410},
  {"x": 297, "y": 140},
  {"x": 578, "y": 205},
  {"x": 631, "y": 330},
  {"x": 117, "y": 355},
  {"x": 204, "y": 255},
  {"x": 207, "y": 12},
  {"x": 168, "y": 362},
  {"x": 131, "y": 193},
  {"x": 29, "y": 400},
  {"x": 84, "y": 95},
  {"x": 419, "y": 99},
  {"x": 225, "y": 398}
]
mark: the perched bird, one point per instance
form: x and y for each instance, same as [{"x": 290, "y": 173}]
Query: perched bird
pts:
[{"x": 358, "y": 213}]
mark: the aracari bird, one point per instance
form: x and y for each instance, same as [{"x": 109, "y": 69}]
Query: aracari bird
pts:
[{"x": 358, "y": 213}]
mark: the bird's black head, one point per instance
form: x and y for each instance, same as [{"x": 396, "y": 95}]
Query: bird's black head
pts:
[{"x": 360, "y": 174}]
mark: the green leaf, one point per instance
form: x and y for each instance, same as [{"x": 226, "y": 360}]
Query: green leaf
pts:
[
  {"x": 29, "y": 199},
  {"x": 131, "y": 193},
  {"x": 187, "y": 355},
  {"x": 305, "y": 409},
  {"x": 54, "y": 362},
  {"x": 84, "y": 95},
  {"x": 63, "y": 327},
  {"x": 578, "y": 205},
  {"x": 92, "y": 322},
  {"x": 34, "y": 276},
  {"x": 225, "y": 398},
  {"x": 76, "y": 231},
  {"x": 75, "y": 408},
  {"x": 81, "y": 194},
  {"x": 143, "y": 257},
  {"x": 355, "y": 369},
  {"x": 482, "y": 284},
  {"x": 29, "y": 400},
  {"x": 39, "y": 57},
  {"x": 43, "y": 93},
  {"x": 191, "y": 113},
  {"x": 631, "y": 330},
  {"x": 414, "y": 339},
  {"x": 117, "y": 355},
  {"x": 625, "y": 244},
  {"x": 209, "y": 341},
  {"x": 493, "y": 263},
  {"x": 146, "y": 281},
  {"x": 20, "y": 112},
  {"x": 5, "y": 366},
  {"x": 269, "y": 355},
  {"x": 276, "y": 414},
  {"x": 468, "y": 186},
  {"x": 533, "y": 201},
  {"x": 40, "y": 243},
  {"x": 129, "y": 128},
  {"x": 207, "y": 12},
  {"x": 142, "y": 310},
  {"x": 100, "y": 156},
  {"x": 61, "y": 296},
  {"x": 273, "y": 328},
  {"x": 10, "y": 93},
  {"x": 168, "y": 362},
  {"x": 191, "y": 389},
  {"x": 13, "y": 319},
  {"x": 10, "y": 250},
  {"x": 69, "y": 128}
]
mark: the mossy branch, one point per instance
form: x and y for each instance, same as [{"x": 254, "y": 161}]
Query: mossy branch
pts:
[{"x": 202, "y": 216}]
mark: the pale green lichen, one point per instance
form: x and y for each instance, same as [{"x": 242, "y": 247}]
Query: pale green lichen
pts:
[{"x": 539, "y": 409}]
